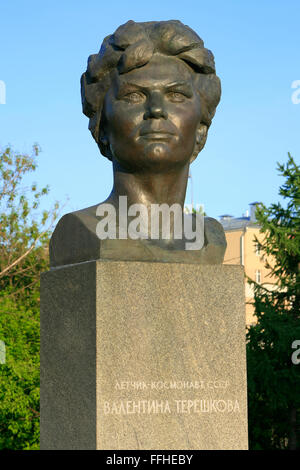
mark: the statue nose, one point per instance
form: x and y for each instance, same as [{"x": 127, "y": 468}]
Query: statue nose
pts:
[{"x": 155, "y": 108}]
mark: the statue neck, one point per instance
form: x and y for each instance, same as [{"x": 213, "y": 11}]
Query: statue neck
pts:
[{"x": 150, "y": 188}]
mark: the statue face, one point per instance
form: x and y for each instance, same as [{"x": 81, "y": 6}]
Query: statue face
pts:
[{"x": 152, "y": 115}]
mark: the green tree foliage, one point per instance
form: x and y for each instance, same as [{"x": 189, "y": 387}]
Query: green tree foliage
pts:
[
  {"x": 273, "y": 379},
  {"x": 19, "y": 376},
  {"x": 24, "y": 237}
]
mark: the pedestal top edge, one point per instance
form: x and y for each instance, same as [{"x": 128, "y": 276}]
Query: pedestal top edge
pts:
[{"x": 201, "y": 267}]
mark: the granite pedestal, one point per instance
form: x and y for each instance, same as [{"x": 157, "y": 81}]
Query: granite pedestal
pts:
[{"x": 143, "y": 355}]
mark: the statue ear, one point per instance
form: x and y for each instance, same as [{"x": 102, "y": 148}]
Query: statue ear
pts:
[
  {"x": 104, "y": 147},
  {"x": 101, "y": 138},
  {"x": 201, "y": 136}
]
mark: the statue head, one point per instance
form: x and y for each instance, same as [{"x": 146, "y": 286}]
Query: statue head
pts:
[{"x": 151, "y": 93}]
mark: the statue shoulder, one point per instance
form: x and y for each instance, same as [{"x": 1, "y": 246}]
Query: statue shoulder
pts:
[
  {"x": 214, "y": 240},
  {"x": 214, "y": 231},
  {"x": 74, "y": 239}
]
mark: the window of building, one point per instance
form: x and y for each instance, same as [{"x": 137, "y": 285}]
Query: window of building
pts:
[
  {"x": 257, "y": 276},
  {"x": 257, "y": 249}
]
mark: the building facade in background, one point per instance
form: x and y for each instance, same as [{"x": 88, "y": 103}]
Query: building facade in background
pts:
[{"x": 241, "y": 249}]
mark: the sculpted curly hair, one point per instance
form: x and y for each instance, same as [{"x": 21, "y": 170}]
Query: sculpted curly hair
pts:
[{"x": 133, "y": 45}]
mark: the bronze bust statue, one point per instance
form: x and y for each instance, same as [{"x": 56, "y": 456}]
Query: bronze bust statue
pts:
[{"x": 150, "y": 95}]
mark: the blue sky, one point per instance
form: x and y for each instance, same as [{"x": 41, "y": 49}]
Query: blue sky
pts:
[{"x": 44, "y": 47}]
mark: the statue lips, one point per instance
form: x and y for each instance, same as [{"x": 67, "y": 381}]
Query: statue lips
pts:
[{"x": 156, "y": 134}]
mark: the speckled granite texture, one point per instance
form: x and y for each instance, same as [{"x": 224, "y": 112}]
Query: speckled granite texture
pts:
[{"x": 143, "y": 355}]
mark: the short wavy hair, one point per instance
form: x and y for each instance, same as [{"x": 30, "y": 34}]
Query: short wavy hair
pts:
[{"x": 133, "y": 45}]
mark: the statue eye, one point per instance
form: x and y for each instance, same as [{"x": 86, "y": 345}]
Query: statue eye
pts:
[
  {"x": 134, "y": 97},
  {"x": 176, "y": 96}
]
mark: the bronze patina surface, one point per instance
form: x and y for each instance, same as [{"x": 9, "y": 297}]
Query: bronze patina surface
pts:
[{"x": 150, "y": 95}]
